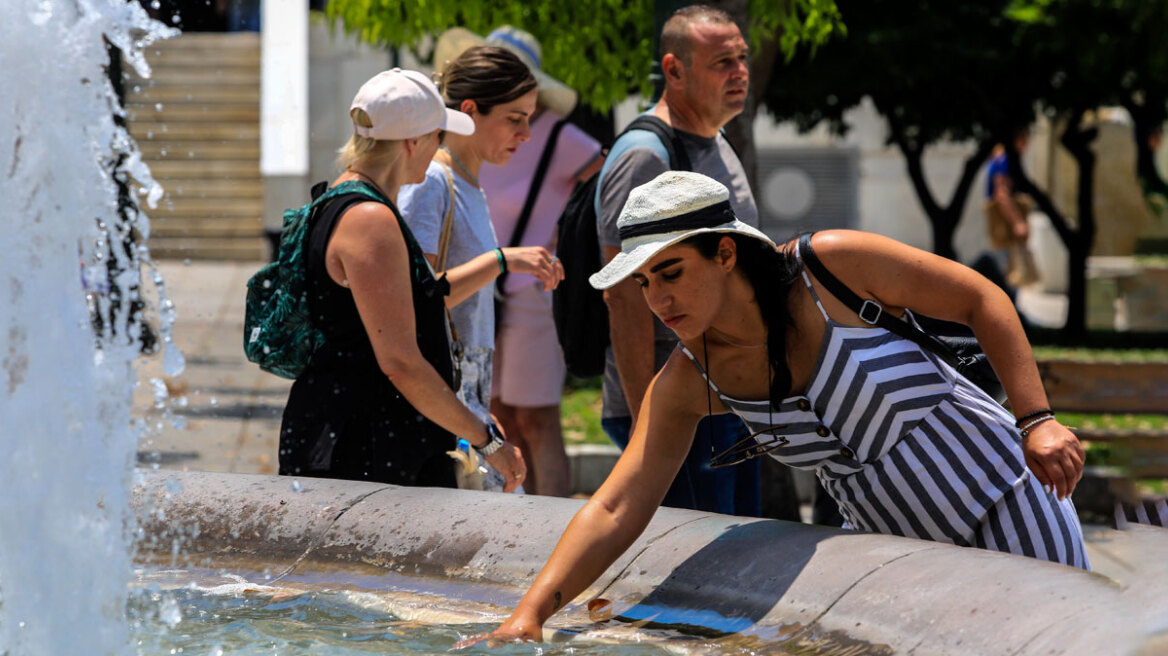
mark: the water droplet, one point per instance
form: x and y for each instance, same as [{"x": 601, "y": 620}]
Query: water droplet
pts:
[
  {"x": 296, "y": 486},
  {"x": 214, "y": 401}
]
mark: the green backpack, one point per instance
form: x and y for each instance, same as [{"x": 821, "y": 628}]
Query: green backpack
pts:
[{"x": 278, "y": 333}]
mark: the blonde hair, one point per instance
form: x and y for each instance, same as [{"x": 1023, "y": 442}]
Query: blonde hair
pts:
[{"x": 366, "y": 150}]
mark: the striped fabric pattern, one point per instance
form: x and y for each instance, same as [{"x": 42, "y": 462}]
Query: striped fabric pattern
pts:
[{"x": 906, "y": 446}]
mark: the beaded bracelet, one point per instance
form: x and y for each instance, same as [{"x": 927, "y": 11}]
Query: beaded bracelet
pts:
[
  {"x": 502, "y": 260},
  {"x": 1034, "y": 422},
  {"x": 1037, "y": 413}
]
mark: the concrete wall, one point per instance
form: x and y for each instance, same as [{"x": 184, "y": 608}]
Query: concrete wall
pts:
[{"x": 760, "y": 583}]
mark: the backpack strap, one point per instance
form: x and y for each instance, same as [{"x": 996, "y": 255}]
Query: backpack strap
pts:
[{"x": 678, "y": 157}]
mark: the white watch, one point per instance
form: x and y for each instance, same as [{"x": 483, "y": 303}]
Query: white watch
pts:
[{"x": 494, "y": 440}]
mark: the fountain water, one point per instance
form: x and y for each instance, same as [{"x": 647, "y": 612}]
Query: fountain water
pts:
[{"x": 64, "y": 395}]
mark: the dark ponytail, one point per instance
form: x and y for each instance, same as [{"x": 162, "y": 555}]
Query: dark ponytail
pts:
[{"x": 771, "y": 273}]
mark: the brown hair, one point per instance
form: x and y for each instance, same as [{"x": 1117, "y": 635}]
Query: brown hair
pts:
[
  {"x": 489, "y": 75},
  {"x": 675, "y": 34}
]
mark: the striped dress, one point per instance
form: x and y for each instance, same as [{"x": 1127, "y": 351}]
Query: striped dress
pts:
[{"x": 907, "y": 446}]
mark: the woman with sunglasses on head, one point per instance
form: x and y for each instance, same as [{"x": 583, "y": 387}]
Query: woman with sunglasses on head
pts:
[
  {"x": 376, "y": 402},
  {"x": 905, "y": 444},
  {"x": 498, "y": 91}
]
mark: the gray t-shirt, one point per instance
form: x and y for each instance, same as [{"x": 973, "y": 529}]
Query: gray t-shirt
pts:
[
  {"x": 637, "y": 158},
  {"x": 424, "y": 208}
]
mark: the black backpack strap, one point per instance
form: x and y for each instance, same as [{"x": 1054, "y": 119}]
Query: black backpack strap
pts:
[
  {"x": 319, "y": 188},
  {"x": 868, "y": 310},
  {"x": 545, "y": 161},
  {"x": 678, "y": 157}
]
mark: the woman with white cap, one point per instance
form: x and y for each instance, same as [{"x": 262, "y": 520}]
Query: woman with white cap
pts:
[
  {"x": 904, "y": 443},
  {"x": 498, "y": 92},
  {"x": 377, "y": 401}
]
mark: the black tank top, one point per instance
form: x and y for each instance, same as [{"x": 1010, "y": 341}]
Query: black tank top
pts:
[{"x": 344, "y": 418}]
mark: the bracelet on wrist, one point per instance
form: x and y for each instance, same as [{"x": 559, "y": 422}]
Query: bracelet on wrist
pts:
[
  {"x": 1034, "y": 422},
  {"x": 1037, "y": 413},
  {"x": 502, "y": 260}
]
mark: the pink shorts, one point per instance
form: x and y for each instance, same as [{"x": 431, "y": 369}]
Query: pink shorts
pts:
[{"x": 529, "y": 365}]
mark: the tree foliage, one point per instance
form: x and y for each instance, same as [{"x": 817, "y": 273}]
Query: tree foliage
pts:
[
  {"x": 941, "y": 71},
  {"x": 602, "y": 48}
]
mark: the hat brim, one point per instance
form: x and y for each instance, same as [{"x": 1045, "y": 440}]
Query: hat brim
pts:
[
  {"x": 626, "y": 262},
  {"x": 552, "y": 93}
]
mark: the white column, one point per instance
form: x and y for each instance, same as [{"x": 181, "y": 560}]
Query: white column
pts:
[{"x": 283, "y": 107}]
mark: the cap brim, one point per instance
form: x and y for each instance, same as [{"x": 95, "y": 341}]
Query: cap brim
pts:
[
  {"x": 458, "y": 123},
  {"x": 625, "y": 263}
]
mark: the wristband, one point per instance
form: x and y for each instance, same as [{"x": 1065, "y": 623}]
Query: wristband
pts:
[
  {"x": 502, "y": 260},
  {"x": 1037, "y": 413}
]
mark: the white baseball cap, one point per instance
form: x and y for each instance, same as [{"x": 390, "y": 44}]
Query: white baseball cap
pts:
[
  {"x": 668, "y": 209},
  {"x": 403, "y": 105}
]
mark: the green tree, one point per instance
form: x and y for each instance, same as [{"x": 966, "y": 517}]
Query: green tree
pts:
[
  {"x": 933, "y": 70},
  {"x": 1076, "y": 56},
  {"x": 602, "y": 48},
  {"x": 977, "y": 72}
]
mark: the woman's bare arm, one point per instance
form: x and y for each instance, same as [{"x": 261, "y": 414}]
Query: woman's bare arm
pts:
[
  {"x": 901, "y": 276},
  {"x": 619, "y": 511},
  {"x": 367, "y": 253}
]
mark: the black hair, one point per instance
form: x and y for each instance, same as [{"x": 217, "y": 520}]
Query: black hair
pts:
[
  {"x": 771, "y": 273},
  {"x": 489, "y": 75}
]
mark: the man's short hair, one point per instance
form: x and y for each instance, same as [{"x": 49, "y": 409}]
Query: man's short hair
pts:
[{"x": 675, "y": 34}]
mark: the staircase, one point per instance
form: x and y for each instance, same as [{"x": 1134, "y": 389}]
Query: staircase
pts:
[{"x": 197, "y": 123}]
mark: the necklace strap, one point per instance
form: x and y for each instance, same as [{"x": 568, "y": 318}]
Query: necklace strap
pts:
[{"x": 461, "y": 167}]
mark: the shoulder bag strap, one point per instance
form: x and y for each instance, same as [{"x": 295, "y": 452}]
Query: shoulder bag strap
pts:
[
  {"x": 868, "y": 310},
  {"x": 443, "y": 248},
  {"x": 447, "y": 224}
]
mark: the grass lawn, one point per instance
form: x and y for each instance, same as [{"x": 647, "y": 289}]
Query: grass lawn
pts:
[{"x": 580, "y": 410}]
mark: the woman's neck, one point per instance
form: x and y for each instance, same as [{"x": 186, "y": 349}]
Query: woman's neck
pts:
[
  {"x": 459, "y": 152},
  {"x": 739, "y": 323}
]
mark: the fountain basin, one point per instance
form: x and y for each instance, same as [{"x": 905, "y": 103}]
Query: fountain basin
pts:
[{"x": 765, "y": 582}]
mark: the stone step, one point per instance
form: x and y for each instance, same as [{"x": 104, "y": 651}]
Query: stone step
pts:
[
  {"x": 162, "y": 149},
  {"x": 223, "y": 132},
  {"x": 236, "y": 249},
  {"x": 204, "y": 79},
  {"x": 169, "y": 95},
  {"x": 205, "y": 228},
  {"x": 176, "y": 188},
  {"x": 195, "y": 111},
  {"x": 214, "y": 210},
  {"x": 164, "y": 170}
]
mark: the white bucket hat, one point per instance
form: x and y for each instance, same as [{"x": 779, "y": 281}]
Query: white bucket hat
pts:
[
  {"x": 403, "y": 105},
  {"x": 670, "y": 208},
  {"x": 553, "y": 94}
]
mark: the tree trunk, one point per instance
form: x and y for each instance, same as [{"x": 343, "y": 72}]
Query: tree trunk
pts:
[
  {"x": 944, "y": 220},
  {"x": 1078, "y": 142},
  {"x": 1078, "y": 241}
]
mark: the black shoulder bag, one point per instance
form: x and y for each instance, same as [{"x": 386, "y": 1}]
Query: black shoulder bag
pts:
[
  {"x": 952, "y": 342},
  {"x": 545, "y": 161}
]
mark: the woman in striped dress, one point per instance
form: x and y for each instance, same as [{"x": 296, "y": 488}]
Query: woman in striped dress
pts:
[{"x": 903, "y": 443}]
